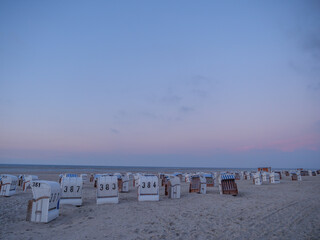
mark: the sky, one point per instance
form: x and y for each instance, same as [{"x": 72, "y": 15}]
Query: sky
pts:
[{"x": 160, "y": 83}]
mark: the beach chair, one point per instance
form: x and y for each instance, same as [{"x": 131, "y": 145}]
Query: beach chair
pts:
[
  {"x": 27, "y": 181},
  {"x": 280, "y": 174},
  {"x": 274, "y": 177},
  {"x": 130, "y": 179},
  {"x": 241, "y": 175},
  {"x": 20, "y": 180},
  {"x": 148, "y": 188},
  {"x": 136, "y": 179},
  {"x": 119, "y": 176},
  {"x": 107, "y": 189},
  {"x": 91, "y": 177},
  {"x": 198, "y": 184},
  {"x": 299, "y": 176},
  {"x": 95, "y": 179},
  {"x": 257, "y": 179},
  {"x": 178, "y": 174},
  {"x": 265, "y": 177},
  {"x": 60, "y": 178},
  {"x": 173, "y": 187},
  {"x": 8, "y": 185},
  {"x": 123, "y": 183},
  {"x": 84, "y": 177},
  {"x": 294, "y": 176},
  {"x": 304, "y": 173},
  {"x": 165, "y": 181},
  {"x": 247, "y": 175},
  {"x": 264, "y": 169},
  {"x": 237, "y": 176},
  {"x": 312, "y": 173},
  {"x": 188, "y": 178},
  {"x": 209, "y": 179},
  {"x": 44, "y": 207},
  {"x": 71, "y": 191},
  {"x": 227, "y": 184}
]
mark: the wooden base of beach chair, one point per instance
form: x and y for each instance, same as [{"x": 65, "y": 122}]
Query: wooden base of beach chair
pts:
[{"x": 229, "y": 187}]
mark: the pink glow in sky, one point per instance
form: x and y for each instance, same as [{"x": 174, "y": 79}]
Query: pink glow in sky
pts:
[{"x": 208, "y": 84}]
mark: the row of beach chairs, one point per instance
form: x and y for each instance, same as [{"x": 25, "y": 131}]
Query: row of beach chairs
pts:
[{"x": 49, "y": 195}]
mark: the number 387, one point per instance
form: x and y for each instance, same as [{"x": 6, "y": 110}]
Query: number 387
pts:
[{"x": 71, "y": 188}]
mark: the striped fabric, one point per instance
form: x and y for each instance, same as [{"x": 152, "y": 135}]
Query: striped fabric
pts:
[
  {"x": 71, "y": 175},
  {"x": 207, "y": 175},
  {"x": 227, "y": 176}
]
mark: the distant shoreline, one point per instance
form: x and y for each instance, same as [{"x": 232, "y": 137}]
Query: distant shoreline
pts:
[{"x": 32, "y": 168}]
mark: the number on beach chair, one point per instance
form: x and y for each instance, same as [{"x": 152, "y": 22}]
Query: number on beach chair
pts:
[
  {"x": 71, "y": 190},
  {"x": 107, "y": 189}
]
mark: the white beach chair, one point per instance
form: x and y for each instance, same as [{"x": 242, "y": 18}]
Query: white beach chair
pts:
[
  {"x": 44, "y": 207},
  {"x": 173, "y": 187},
  {"x": 107, "y": 189},
  {"x": 71, "y": 191},
  {"x": 27, "y": 181},
  {"x": 136, "y": 179},
  {"x": 124, "y": 183},
  {"x": 257, "y": 180},
  {"x": 8, "y": 185},
  {"x": 148, "y": 188},
  {"x": 247, "y": 175},
  {"x": 209, "y": 179},
  {"x": 84, "y": 177},
  {"x": 274, "y": 177},
  {"x": 265, "y": 177}
]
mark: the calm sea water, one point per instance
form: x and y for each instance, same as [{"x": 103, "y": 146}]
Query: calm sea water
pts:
[{"x": 21, "y": 168}]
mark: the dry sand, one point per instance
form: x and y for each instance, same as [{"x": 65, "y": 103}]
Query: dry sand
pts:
[{"x": 289, "y": 210}]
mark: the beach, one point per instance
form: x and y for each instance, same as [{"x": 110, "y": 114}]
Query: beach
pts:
[{"x": 289, "y": 210}]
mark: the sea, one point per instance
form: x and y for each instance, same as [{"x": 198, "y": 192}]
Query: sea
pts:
[{"x": 30, "y": 168}]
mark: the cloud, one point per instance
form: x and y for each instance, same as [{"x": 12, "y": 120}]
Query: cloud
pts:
[
  {"x": 171, "y": 99},
  {"x": 121, "y": 114},
  {"x": 114, "y": 131},
  {"x": 200, "y": 80},
  {"x": 149, "y": 115},
  {"x": 186, "y": 109},
  {"x": 312, "y": 42},
  {"x": 314, "y": 86},
  {"x": 306, "y": 35},
  {"x": 201, "y": 86}
]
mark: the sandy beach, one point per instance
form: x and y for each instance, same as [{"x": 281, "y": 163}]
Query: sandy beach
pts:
[{"x": 289, "y": 210}]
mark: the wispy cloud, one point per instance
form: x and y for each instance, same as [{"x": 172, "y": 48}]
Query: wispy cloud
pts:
[
  {"x": 314, "y": 86},
  {"x": 171, "y": 99},
  {"x": 114, "y": 131},
  {"x": 305, "y": 33},
  {"x": 149, "y": 115},
  {"x": 186, "y": 109}
]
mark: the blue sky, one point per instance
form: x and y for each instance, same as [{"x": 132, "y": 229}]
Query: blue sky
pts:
[{"x": 183, "y": 83}]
